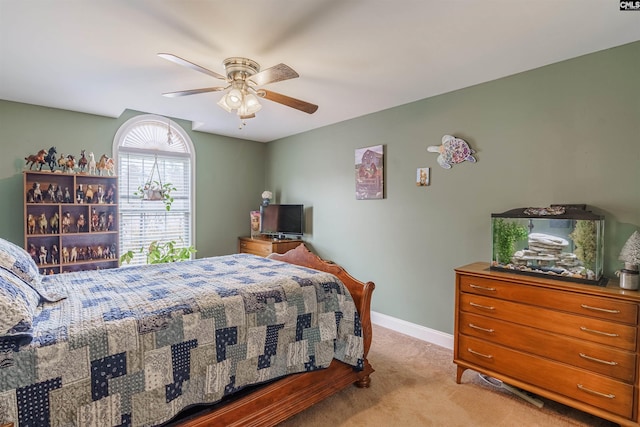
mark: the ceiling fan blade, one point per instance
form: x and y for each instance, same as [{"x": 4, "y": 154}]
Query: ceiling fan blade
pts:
[
  {"x": 277, "y": 73},
  {"x": 185, "y": 63},
  {"x": 288, "y": 101},
  {"x": 193, "y": 91}
]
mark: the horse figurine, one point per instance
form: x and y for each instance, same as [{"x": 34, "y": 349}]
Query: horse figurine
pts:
[
  {"x": 92, "y": 164},
  {"x": 31, "y": 224},
  {"x": 81, "y": 223},
  {"x": 50, "y": 158},
  {"x": 42, "y": 223},
  {"x": 83, "y": 162},
  {"x": 36, "y": 159},
  {"x": 106, "y": 165},
  {"x": 111, "y": 194},
  {"x": 88, "y": 195},
  {"x": 33, "y": 252},
  {"x": 62, "y": 160},
  {"x": 66, "y": 222},
  {"x": 55, "y": 254},
  {"x": 69, "y": 164},
  {"x": 54, "y": 223},
  {"x": 51, "y": 193},
  {"x": 42, "y": 255},
  {"x": 36, "y": 192}
]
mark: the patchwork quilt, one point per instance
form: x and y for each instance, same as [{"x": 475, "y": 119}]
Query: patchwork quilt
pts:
[{"x": 134, "y": 346}]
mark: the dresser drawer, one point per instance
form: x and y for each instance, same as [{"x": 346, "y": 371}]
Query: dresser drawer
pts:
[
  {"x": 255, "y": 247},
  {"x": 594, "y": 357},
  {"x": 588, "y": 305},
  {"x": 581, "y": 327},
  {"x": 593, "y": 389}
]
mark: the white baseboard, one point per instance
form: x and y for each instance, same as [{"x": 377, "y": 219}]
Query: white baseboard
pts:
[{"x": 420, "y": 332}]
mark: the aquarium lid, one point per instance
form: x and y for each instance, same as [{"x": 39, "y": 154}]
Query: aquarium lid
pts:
[{"x": 570, "y": 211}]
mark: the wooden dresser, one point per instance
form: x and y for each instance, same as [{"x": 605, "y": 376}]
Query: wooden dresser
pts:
[
  {"x": 264, "y": 246},
  {"x": 573, "y": 343}
]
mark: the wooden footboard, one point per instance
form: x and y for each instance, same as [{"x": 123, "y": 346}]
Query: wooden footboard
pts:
[
  {"x": 277, "y": 401},
  {"x": 360, "y": 291}
]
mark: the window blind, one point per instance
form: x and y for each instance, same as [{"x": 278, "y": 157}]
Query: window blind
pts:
[{"x": 145, "y": 221}]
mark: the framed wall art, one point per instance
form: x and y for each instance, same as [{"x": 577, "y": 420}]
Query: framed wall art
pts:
[
  {"x": 369, "y": 171},
  {"x": 422, "y": 177}
]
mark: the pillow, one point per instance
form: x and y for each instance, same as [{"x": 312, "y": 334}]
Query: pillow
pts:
[
  {"x": 18, "y": 305},
  {"x": 18, "y": 261}
]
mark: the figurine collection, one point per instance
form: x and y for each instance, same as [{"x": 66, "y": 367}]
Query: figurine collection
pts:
[
  {"x": 63, "y": 204},
  {"x": 56, "y": 194},
  {"x": 44, "y": 255},
  {"x": 98, "y": 221},
  {"x": 68, "y": 164}
]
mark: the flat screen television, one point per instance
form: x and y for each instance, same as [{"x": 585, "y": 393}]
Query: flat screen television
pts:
[{"x": 281, "y": 220}]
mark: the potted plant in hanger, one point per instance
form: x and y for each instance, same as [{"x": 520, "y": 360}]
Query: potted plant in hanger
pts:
[{"x": 154, "y": 189}]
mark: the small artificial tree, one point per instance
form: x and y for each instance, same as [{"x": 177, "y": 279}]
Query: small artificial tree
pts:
[{"x": 630, "y": 252}]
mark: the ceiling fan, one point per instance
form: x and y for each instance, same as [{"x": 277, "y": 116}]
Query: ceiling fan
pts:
[{"x": 244, "y": 79}]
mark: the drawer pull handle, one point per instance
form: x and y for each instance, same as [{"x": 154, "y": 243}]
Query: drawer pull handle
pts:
[
  {"x": 486, "y": 356},
  {"x": 482, "y": 288},
  {"x": 608, "y": 334},
  {"x": 471, "y": 325},
  {"x": 606, "y": 362},
  {"x": 596, "y": 393},
  {"x": 606, "y": 310},
  {"x": 485, "y": 307}
]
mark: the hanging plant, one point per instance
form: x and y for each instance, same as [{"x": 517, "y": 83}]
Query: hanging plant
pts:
[{"x": 154, "y": 189}]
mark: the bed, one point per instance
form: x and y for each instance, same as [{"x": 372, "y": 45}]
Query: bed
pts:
[{"x": 256, "y": 340}]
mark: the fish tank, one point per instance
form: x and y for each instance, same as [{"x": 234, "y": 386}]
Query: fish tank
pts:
[{"x": 563, "y": 242}]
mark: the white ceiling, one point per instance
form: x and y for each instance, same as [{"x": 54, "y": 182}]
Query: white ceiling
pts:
[{"x": 354, "y": 57}]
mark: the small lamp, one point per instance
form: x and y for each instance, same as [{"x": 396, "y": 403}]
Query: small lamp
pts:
[{"x": 630, "y": 254}]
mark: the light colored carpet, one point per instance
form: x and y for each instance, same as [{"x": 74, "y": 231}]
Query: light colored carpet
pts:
[{"x": 414, "y": 385}]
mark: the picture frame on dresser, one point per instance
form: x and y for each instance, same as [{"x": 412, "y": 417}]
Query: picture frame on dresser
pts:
[{"x": 255, "y": 223}]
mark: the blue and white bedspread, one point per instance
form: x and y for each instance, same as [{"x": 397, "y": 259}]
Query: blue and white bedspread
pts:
[{"x": 136, "y": 345}]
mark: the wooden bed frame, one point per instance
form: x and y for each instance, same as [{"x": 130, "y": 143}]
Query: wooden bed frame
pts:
[{"x": 270, "y": 404}]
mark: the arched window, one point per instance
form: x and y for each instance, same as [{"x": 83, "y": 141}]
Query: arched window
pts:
[{"x": 154, "y": 148}]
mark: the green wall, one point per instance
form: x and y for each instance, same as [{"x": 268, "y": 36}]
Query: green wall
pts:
[
  {"x": 564, "y": 133},
  {"x": 229, "y": 172}
]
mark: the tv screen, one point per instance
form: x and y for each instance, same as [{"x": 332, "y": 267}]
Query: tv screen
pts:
[{"x": 281, "y": 220}]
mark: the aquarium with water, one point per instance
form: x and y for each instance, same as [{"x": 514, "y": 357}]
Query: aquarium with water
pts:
[{"x": 563, "y": 242}]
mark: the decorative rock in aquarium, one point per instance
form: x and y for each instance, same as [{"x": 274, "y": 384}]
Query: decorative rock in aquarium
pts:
[{"x": 564, "y": 242}]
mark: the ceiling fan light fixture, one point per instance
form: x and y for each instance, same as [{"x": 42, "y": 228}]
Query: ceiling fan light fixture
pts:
[
  {"x": 244, "y": 77},
  {"x": 251, "y": 104},
  {"x": 224, "y": 105},
  {"x": 234, "y": 98}
]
